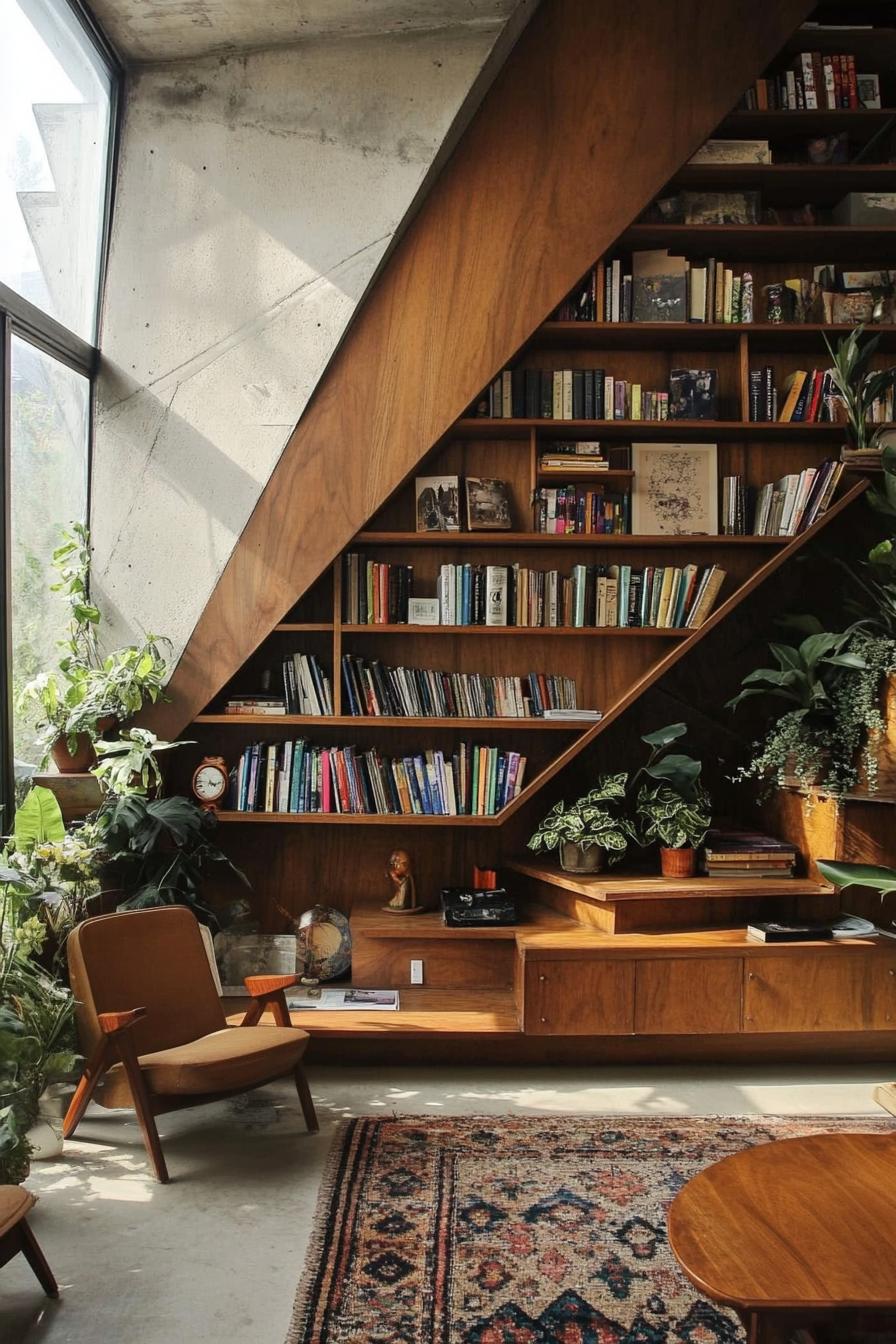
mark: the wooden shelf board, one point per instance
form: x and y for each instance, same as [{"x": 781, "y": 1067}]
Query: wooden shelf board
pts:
[
  {"x": 536, "y": 631},
  {"x": 486, "y": 428},
  {"x": 690, "y": 942},
  {"x": 385, "y": 721},
  {"x": 778, "y": 124},
  {"x": 805, "y": 242},
  {"x": 304, "y": 627},
  {"x": 837, "y": 178},
  {"x": 423, "y": 1012},
  {"x": 375, "y": 923},
  {"x": 349, "y": 819},
  {"x": 618, "y": 887},
  {"x": 697, "y": 335},
  {"x": 497, "y": 540}
]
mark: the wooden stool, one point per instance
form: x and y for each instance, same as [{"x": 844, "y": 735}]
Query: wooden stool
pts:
[
  {"x": 16, "y": 1235},
  {"x": 795, "y": 1232}
]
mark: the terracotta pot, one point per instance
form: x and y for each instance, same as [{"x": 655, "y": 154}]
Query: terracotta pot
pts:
[
  {"x": 106, "y": 724},
  {"x": 574, "y": 859},
  {"x": 678, "y": 862},
  {"x": 68, "y": 763}
]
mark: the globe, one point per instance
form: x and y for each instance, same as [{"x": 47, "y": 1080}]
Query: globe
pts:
[{"x": 324, "y": 942}]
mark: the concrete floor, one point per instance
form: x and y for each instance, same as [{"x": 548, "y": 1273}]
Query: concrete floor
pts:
[{"x": 216, "y": 1256}]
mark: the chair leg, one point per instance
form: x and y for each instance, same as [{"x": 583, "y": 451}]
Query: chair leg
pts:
[
  {"x": 305, "y": 1100},
  {"x": 93, "y": 1072},
  {"x": 37, "y": 1260},
  {"x": 143, "y": 1106}
]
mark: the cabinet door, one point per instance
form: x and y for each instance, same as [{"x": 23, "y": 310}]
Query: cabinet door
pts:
[
  {"x": 688, "y": 996},
  {"x": 843, "y": 989},
  {"x": 579, "y": 998}
]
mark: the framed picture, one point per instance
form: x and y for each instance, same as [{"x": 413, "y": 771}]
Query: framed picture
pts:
[
  {"x": 676, "y": 490},
  {"x": 693, "y": 394},
  {"x": 868, "y": 87},
  {"x": 720, "y": 207},
  {"x": 438, "y": 503},
  {"x": 488, "y": 504},
  {"x": 423, "y": 611}
]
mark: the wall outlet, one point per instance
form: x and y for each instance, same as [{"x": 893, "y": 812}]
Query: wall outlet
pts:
[{"x": 416, "y": 972}]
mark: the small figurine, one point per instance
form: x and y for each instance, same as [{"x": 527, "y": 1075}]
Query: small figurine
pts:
[{"x": 404, "y": 900}]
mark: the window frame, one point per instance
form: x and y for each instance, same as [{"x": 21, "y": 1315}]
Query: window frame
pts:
[{"x": 22, "y": 319}]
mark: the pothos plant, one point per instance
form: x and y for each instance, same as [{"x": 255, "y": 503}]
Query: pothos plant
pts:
[
  {"x": 87, "y": 688},
  {"x": 830, "y": 685},
  {"x": 598, "y": 818}
]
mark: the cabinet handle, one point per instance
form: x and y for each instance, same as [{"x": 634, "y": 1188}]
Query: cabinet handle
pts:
[
  {"x": 891, "y": 972},
  {"x": 544, "y": 977},
  {"x": 544, "y": 1019}
]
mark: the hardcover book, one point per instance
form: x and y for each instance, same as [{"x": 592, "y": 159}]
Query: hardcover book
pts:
[{"x": 438, "y": 503}]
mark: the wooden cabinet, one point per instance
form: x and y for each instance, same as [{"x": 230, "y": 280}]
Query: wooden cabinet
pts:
[
  {"x": 579, "y": 998},
  {"x": 843, "y": 989},
  {"x": 688, "y": 996}
]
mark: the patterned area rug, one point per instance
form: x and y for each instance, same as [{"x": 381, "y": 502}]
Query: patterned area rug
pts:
[{"x": 516, "y": 1230}]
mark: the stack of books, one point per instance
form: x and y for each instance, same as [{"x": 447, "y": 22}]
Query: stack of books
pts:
[
  {"x": 787, "y": 507},
  {"x": 817, "y": 80},
  {"x": 667, "y": 288},
  {"x": 807, "y": 396},
  {"x": 415, "y": 692},
  {"x": 304, "y": 777},
  {"x": 268, "y": 705},
  {"x": 585, "y": 456},
  {"x": 747, "y": 854},
  {"x": 580, "y": 305},
  {"x": 375, "y": 594},
  {"x": 564, "y": 509}
]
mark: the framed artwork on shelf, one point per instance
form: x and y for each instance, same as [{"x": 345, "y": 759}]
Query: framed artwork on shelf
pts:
[
  {"x": 488, "y": 505},
  {"x": 675, "y": 489},
  {"x": 437, "y": 503}
]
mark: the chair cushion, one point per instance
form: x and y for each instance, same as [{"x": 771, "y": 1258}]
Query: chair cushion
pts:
[
  {"x": 14, "y": 1204},
  {"x": 224, "y": 1061}
]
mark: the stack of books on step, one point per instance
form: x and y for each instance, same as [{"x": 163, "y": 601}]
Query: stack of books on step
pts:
[{"x": 747, "y": 854}]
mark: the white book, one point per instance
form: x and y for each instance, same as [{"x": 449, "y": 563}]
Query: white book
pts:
[{"x": 496, "y": 595}]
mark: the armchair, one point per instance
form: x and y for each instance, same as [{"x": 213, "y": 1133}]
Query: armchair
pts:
[{"x": 153, "y": 1030}]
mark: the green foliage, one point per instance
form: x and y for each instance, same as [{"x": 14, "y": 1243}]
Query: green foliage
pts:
[
  {"x": 673, "y": 821},
  {"x": 159, "y": 850},
  {"x": 129, "y": 765},
  {"x": 857, "y": 385},
  {"x": 38, "y": 818},
  {"x": 805, "y": 674},
  {"x": 87, "y": 689},
  {"x": 597, "y": 818},
  {"x": 843, "y": 875}
]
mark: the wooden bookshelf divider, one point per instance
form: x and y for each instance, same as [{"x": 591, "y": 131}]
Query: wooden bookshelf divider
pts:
[{"x": 613, "y": 667}]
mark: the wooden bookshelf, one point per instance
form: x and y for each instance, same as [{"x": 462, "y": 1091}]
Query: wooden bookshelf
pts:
[{"x": 339, "y": 858}]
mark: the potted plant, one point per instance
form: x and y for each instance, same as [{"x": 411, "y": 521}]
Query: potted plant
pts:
[
  {"x": 830, "y": 692},
  {"x": 672, "y": 807},
  {"x": 129, "y": 765},
  {"x": 592, "y": 831},
  {"x": 79, "y": 701},
  {"x": 858, "y": 386}
]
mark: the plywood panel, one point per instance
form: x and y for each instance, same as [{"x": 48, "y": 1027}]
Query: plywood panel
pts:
[
  {"x": 593, "y": 998},
  {"x": 841, "y": 989},
  {"x": 594, "y": 92},
  {"x": 686, "y": 997},
  {"x": 378, "y": 963}
]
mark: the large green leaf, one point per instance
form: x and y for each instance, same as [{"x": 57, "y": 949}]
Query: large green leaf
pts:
[
  {"x": 680, "y": 772},
  {"x": 663, "y": 736},
  {"x": 38, "y": 819},
  {"x": 841, "y": 875}
]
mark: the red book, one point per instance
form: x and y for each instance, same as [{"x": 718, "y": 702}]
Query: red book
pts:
[
  {"x": 853, "y": 85},
  {"x": 844, "y": 81},
  {"x": 815, "y": 395}
]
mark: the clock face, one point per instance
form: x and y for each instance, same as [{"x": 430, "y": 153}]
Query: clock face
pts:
[{"x": 209, "y": 783}]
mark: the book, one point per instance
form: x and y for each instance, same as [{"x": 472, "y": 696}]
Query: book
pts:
[
  {"x": 771, "y": 931},
  {"x": 300, "y": 1000},
  {"x": 693, "y": 394},
  {"x": 659, "y": 287}
]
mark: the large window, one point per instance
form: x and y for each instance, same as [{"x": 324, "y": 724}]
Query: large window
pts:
[
  {"x": 55, "y": 100},
  {"x": 58, "y": 85}
]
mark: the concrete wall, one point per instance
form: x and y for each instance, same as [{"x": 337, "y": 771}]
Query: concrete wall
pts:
[{"x": 256, "y": 196}]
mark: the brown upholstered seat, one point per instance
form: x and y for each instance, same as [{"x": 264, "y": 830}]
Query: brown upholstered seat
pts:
[
  {"x": 153, "y": 1027},
  {"x": 232, "y": 1060},
  {"x": 14, "y": 1204},
  {"x": 16, "y": 1236}
]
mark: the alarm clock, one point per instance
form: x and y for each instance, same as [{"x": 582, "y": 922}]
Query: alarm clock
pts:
[{"x": 210, "y": 780}]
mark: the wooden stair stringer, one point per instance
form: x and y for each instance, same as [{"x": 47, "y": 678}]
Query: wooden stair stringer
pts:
[
  {"x": 659, "y": 669},
  {"x": 592, "y": 93}
]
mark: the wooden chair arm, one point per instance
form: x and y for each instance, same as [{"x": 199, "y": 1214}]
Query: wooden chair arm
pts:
[
  {"x": 264, "y": 986},
  {"x": 268, "y": 992},
  {"x": 110, "y": 1023}
]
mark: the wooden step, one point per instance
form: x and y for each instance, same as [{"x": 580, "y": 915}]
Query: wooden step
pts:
[
  {"x": 626, "y": 902},
  {"x": 423, "y": 1011}
]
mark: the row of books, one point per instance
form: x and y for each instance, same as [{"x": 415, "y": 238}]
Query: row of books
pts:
[
  {"x": 593, "y": 394},
  {"x": 373, "y": 689},
  {"x": 663, "y": 287},
  {"x": 782, "y": 508},
  {"x": 375, "y": 593},
  {"x": 565, "y": 509},
  {"x": 303, "y": 777},
  {"x": 817, "y": 80},
  {"x": 580, "y": 305}
]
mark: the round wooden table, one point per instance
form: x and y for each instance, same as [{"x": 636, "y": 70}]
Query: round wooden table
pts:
[{"x": 794, "y": 1232}]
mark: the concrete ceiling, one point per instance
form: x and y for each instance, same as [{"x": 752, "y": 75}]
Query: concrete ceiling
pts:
[{"x": 167, "y": 30}]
